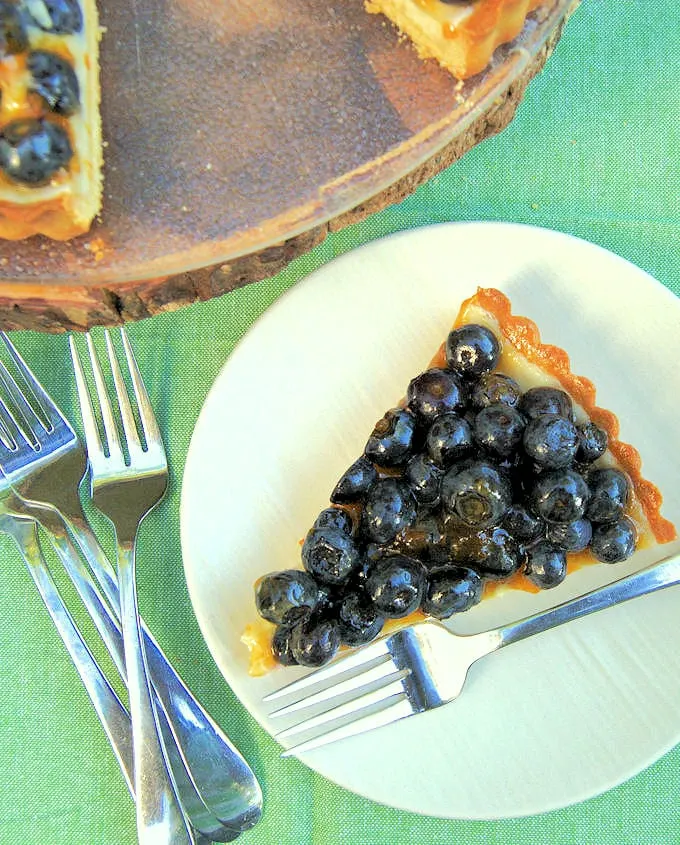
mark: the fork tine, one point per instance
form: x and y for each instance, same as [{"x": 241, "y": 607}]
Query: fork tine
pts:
[
  {"x": 110, "y": 429},
  {"x": 376, "y": 714},
  {"x": 18, "y": 408},
  {"x": 38, "y": 392},
  {"x": 92, "y": 438},
  {"x": 147, "y": 417},
  {"x": 126, "y": 415},
  {"x": 383, "y": 673},
  {"x": 374, "y": 653}
]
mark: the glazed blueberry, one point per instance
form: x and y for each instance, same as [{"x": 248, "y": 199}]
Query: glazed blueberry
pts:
[
  {"x": 424, "y": 540},
  {"x": 471, "y": 351},
  {"x": 330, "y": 555},
  {"x": 609, "y": 494},
  {"x": 355, "y": 483},
  {"x": 614, "y": 541},
  {"x": 396, "y": 585},
  {"x": 335, "y": 518},
  {"x": 62, "y": 17},
  {"x": 314, "y": 641},
  {"x": 451, "y": 589},
  {"x": 359, "y": 620},
  {"x": 32, "y": 151},
  {"x": 500, "y": 555},
  {"x": 478, "y": 493},
  {"x": 498, "y": 429},
  {"x": 281, "y": 640},
  {"x": 391, "y": 441},
  {"x": 495, "y": 389},
  {"x": 522, "y": 524},
  {"x": 389, "y": 508},
  {"x": 280, "y": 592},
  {"x": 546, "y": 565},
  {"x": 545, "y": 400},
  {"x": 13, "y": 38},
  {"x": 551, "y": 440},
  {"x": 449, "y": 439},
  {"x": 570, "y": 536},
  {"x": 560, "y": 495},
  {"x": 54, "y": 80},
  {"x": 424, "y": 477},
  {"x": 436, "y": 391},
  {"x": 592, "y": 443}
]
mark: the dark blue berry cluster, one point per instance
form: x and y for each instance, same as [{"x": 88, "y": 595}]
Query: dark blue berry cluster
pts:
[
  {"x": 34, "y": 149},
  {"x": 471, "y": 480}
]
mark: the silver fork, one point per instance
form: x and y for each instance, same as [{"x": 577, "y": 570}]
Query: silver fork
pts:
[
  {"x": 424, "y": 666},
  {"x": 126, "y": 490},
  {"x": 45, "y": 462},
  {"x": 110, "y": 710}
]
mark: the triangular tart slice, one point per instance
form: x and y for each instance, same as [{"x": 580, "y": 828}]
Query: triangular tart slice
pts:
[{"x": 497, "y": 468}]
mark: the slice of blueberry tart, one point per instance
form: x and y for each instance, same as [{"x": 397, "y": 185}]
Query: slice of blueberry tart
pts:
[
  {"x": 460, "y": 34},
  {"x": 497, "y": 468},
  {"x": 50, "y": 137}
]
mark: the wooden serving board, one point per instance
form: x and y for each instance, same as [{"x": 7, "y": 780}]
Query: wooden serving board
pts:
[{"x": 64, "y": 307}]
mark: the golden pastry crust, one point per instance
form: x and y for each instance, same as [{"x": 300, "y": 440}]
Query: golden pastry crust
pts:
[
  {"x": 461, "y": 38},
  {"x": 66, "y": 205}
]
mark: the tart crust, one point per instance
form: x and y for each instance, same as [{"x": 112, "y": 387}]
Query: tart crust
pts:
[
  {"x": 67, "y": 204},
  {"x": 462, "y": 38}
]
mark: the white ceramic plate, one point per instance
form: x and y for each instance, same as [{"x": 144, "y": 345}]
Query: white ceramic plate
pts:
[{"x": 543, "y": 724}]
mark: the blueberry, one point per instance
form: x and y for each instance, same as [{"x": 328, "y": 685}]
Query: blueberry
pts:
[
  {"x": 500, "y": 555},
  {"x": 359, "y": 620},
  {"x": 281, "y": 640},
  {"x": 13, "y": 37},
  {"x": 522, "y": 524},
  {"x": 391, "y": 441},
  {"x": 559, "y": 496},
  {"x": 61, "y": 17},
  {"x": 32, "y": 151},
  {"x": 551, "y": 440},
  {"x": 614, "y": 541},
  {"x": 330, "y": 555},
  {"x": 436, "y": 391},
  {"x": 570, "y": 536},
  {"x": 314, "y": 641},
  {"x": 335, "y": 518},
  {"x": 424, "y": 540},
  {"x": 478, "y": 493},
  {"x": 389, "y": 508},
  {"x": 396, "y": 585},
  {"x": 592, "y": 443},
  {"x": 278, "y": 593},
  {"x": 546, "y": 565},
  {"x": 449, "y": 439},
  {"x": 546, "y": 400},
  {"x": 499, "y": 429},
  {"x": 424, "y": 477},
  {"x": 355, "y": 483},
  {"x": 472, "y": 350},
  {"x": 451, "y": 589},
  {"x": 53, "y": 79},
  {"x": 495, "y": 389},
  {"x": 609, "y": 494}
]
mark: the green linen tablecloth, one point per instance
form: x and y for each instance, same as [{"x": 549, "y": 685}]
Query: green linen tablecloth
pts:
[{"x": 594, "y": 151}]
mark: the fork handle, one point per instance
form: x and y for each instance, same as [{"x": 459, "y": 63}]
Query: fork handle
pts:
[
  {"x": 112, "y": 715},
  {"x": 160, "y": 820},
  {"x": 665, "y": 573},
  {"x": 220, "y": 774}
]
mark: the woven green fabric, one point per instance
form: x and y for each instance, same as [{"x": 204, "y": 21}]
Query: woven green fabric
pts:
[{"x": 594, "y": 151}]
